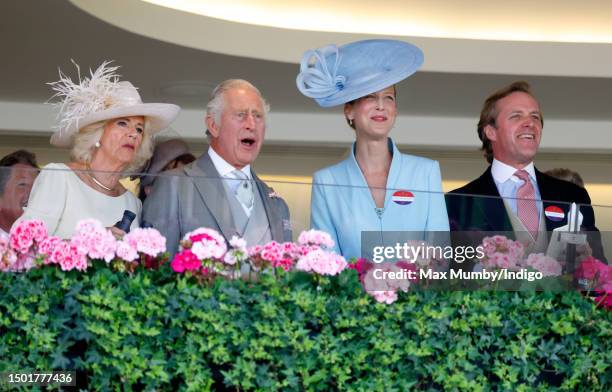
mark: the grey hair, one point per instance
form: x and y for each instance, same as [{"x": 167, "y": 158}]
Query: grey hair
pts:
[
  {"x": 215, "y": 106},
  {"x": 85, "y": 145}
]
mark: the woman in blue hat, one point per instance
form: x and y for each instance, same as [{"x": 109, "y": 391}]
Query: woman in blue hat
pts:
[{"x": 377, "y": 188}]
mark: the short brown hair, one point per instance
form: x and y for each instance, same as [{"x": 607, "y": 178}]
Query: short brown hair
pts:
[{"x": 489, "y": 112}]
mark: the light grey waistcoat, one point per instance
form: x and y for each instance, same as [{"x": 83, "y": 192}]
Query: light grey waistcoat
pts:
[
  {"x": 522, "y": 235},
  {"x": 254, "y": 229}
]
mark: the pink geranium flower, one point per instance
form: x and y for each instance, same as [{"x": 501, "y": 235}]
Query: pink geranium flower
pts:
[
  {"x": 238, "y": 251},
  {"x": 185, "y": 260},
  {"x": 501, "y": 252},
  {"x": 598, "y": 277},
  {"x": 25, "y": 262},
  {"x": 544, "y": 264},
  {"x": 18, "y": 251},
  {"x": 47, "y": 246},
  {"x": 26, "y": 234},
  {"x": 69, "y": 256},
  {"x": 8, "y": 257},
  {"x": 592, "y": 269},
  {"x": 201, "y": 250},
  {"x": 126, "y": 251},
  {"x": 316, "y": 238},
  {"x": 206, "y": 243},
  {"x": 387, "y": 276},
  {"x": 277, "y": 255},
  {"x": 255, "y": 250},
  {"x": 362, "y": 266},
  {"x": 406, "y": 266},
  {"x": 94, "y": 240},
  {"x": 501, "y": 244},
  {"x": 271, "y": 251},
  {"x": 148, "y": 241},
  {"x": 322, "y": 262},
  {"x": 12, "y": 260},
  {"x": 385, "y": 296}
]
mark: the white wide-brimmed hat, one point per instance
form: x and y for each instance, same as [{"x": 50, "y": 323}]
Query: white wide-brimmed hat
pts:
[{"x": 103, "y": 97}]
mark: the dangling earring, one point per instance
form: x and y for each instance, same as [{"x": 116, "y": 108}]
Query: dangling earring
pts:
[
  {"x": 351, "y": 122},
  {"x": 98, "y": 145}
]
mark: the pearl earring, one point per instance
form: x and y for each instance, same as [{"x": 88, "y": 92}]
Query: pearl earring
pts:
[{"x": 98, "y": 145}]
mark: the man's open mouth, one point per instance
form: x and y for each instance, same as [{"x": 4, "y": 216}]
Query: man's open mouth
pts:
[{"x": 249, "y": 142}]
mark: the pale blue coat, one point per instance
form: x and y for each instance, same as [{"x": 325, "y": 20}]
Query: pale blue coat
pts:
[{"x": 342, "y": 204}]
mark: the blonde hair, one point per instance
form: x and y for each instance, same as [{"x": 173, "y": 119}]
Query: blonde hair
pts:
[{"x": 87, "y": 137}]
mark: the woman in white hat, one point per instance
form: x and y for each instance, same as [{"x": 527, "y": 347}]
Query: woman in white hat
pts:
[
  {"x": 377, "y": 188},
  {"x": 109, "y": 131}
]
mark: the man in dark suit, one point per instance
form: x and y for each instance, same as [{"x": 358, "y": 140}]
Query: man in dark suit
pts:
[
  {"x": 220, "y": 190},
  {"x": 512, "y": 196}
]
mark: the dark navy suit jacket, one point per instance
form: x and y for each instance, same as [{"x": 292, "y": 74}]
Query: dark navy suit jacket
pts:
[{"x": 486, "y": 212}]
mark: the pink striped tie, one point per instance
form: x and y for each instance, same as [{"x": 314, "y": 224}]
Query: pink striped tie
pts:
[{"x": 526, "y": 204}]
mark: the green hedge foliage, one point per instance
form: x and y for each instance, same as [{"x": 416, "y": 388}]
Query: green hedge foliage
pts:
[{"x": 156, "y": 330}]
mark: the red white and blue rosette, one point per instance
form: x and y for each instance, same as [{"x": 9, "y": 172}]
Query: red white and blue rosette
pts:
[
  {"x": 402, "y": 197},
  {"x": 554, "y": 213}
]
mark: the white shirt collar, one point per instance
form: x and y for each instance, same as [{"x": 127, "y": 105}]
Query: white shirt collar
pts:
[
  {"x": 224, "y": 168},
  {"x": 502, "y": 172}
]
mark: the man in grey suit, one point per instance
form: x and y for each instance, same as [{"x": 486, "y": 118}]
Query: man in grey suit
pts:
[{"x": 220, "y": 190}]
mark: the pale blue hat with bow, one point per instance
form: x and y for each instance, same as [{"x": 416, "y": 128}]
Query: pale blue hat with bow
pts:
[{"x": 334, "y": 75}]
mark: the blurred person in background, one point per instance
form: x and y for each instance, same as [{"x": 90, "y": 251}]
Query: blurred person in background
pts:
[
  {"x": 566, "y": 175},
  {"x": 18, "y": 170},
  {"x": 167, "y": 155}
]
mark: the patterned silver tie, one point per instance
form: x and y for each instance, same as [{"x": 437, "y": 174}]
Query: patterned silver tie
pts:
[{"x": 244, "y": 190}]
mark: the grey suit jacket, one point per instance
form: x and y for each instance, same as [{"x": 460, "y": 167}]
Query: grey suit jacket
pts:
[{"x": 185, "y": 199}]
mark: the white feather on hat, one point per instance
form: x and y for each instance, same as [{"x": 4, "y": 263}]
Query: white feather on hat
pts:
[{"x": 102, "y": 97}]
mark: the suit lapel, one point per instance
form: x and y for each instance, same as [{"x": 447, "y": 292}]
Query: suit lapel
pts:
[
  {"x": 274, "y": 219},
  {"x": 548, "y": 193},
  {"x": 208, "y": 183},
  {"x": 492, "y": 208}
]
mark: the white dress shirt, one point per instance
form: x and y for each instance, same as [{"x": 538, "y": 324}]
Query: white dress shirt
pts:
[
  {"x": 226, "y": 171},
  {"x": 508, "y": 184}
]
